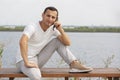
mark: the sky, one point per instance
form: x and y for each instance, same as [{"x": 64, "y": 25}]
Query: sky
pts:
[{"x": 71, "y": 12}]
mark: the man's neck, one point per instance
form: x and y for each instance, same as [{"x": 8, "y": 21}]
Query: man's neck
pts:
[{"x": 44, "y": 27}]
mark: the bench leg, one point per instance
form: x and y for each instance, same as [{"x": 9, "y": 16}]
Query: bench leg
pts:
[
  {"x": 109, "y": 78},
  {"x": 77, "y": 78},
  {"x": 116, "y": 78},
  {"x": 11, "y": 78},
  {"x": 66, "y": 78}
]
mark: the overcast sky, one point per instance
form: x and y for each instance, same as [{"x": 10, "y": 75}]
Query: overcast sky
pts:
[{"x": 71, "y": 12}]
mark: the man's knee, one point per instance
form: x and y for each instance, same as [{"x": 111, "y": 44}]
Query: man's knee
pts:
[{"x": 57, "y": 41}]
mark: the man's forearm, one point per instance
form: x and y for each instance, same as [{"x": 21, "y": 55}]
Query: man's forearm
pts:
[
  {"x": 64, "y": 37},
  {"x": 24, "y": 49},
  {"x": 24, "y": 54}
]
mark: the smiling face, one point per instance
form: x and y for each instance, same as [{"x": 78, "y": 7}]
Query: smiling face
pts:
[{"x": 49, "y": 17}]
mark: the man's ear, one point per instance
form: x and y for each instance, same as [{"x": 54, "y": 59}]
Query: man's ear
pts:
[
  {"x": 42, "y": 15},
  {"x": 56, "y": 19}
]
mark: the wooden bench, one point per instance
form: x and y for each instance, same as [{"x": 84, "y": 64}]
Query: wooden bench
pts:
[{"x": 109, "y": 73}]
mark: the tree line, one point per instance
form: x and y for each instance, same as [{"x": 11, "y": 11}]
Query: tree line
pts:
[{"x": 70, "y": 29}]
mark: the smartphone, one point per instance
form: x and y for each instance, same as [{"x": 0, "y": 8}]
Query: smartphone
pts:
[{"x": 54, "y": 25}]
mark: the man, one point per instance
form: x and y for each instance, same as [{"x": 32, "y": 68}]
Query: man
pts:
[{"x": 37, "y": 45}]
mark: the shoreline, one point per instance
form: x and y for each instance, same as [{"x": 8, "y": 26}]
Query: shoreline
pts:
[{"x": 70, "y": 29}]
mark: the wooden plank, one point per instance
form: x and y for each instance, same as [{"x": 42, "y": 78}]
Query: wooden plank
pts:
[
  {"x": 10, "y": 72},
  {"x": 99, "y": 72},
  {"x": 63, "y": 72}
]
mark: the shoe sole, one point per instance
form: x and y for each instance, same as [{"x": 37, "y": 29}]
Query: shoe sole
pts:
[{"x": 79, "y": 71}]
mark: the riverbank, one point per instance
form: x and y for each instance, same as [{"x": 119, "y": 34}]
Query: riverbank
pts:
[
  {"x": 93, "y": 29},
  {"x": 69, "y": 29}
]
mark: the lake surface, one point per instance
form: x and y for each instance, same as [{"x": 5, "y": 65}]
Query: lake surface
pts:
[{"x": 92, "y": 49}]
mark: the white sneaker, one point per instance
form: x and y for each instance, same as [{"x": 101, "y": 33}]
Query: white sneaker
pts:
[
  {"x": 75, "y": 66},
  {"x": 79, "y": 71}
]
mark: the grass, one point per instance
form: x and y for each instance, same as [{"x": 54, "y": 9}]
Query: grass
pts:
[
  {"x": 1, "y": 51},
  {"x": 108, "y": 61},
  {"x": 70, "y": 28}
]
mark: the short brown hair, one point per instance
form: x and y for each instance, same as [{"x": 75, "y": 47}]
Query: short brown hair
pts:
[{"x": 51, "y": 8}]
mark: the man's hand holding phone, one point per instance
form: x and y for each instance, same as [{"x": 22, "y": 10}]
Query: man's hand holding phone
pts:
[{"x": 57, "y": 24}]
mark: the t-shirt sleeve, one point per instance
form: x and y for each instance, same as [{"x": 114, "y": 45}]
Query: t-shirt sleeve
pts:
[{"x": 29, "y": 30}]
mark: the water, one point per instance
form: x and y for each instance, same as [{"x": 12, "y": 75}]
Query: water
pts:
[{"x": 92, "y": 49}]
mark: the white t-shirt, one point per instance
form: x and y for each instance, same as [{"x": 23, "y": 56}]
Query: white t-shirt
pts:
[{"x": 37, "y": 39}]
